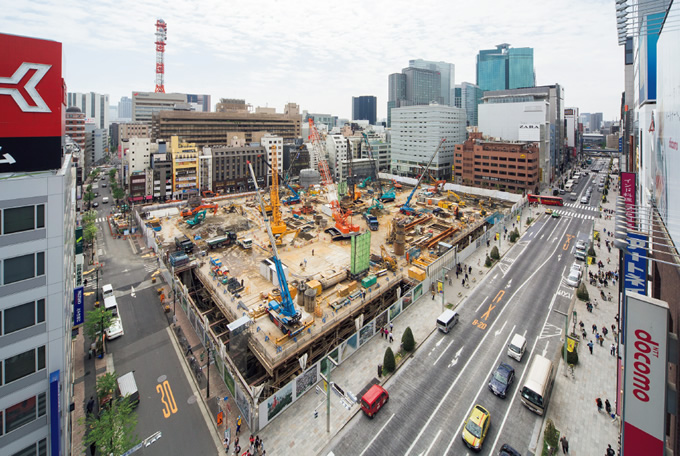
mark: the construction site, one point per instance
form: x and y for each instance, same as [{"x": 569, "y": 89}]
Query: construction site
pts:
[{"x": 284, "y": 275}]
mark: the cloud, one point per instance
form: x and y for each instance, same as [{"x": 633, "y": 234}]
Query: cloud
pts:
[{"x": 320, "y": 55}]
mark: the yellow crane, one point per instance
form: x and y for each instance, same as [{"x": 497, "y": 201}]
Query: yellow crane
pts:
[{"x": 277, "y": 224}]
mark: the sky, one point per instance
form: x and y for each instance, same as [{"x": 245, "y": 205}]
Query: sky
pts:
[{"x": 320, "y": 54}]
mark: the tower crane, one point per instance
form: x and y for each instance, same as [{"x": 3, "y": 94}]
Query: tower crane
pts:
[
  {"x": 278, "y": 226},
  {"x": 406, "y": 208},
  {"x": 283, "y": 314}
]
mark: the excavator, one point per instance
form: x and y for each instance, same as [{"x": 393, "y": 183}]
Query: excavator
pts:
[
  {"x": 389, "y": 261},
  {"x": 198, "y": 218},
  {"x": 364, "y": 182},
  {"x": 186, "y": 213},
  {"x": 461, "y": 203}
]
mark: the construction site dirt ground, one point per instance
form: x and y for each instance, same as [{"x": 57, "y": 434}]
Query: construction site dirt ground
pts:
[{"x": 306, "y": 254}]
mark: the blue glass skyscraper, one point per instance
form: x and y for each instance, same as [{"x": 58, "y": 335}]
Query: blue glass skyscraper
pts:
[{"x": 505, "y": 68}]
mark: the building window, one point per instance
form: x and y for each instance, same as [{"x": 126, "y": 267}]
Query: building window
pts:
[
  {"x": 23, "y": 364},
  {"x": 34, "y": 449},
  {"x": 23, "y": 267},
  {"x": 22, "y": 316},
  {"x": 24, "y": 218},
  {"x": 25, "y": 412}
]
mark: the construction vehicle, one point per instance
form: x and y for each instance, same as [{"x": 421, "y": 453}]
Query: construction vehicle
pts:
[
  {"x": 389, "y": 196},
  {"x": 371, "y": 221},
  {"x": 208, "y": 194},
  {"x": 245, "y": 243},
  {"x": 364, "y": 182},
  {"x": 461, "y": 203},
  {"x": 198, "y": 218},
  {"x": 184, "y": 244},
  {"x": 283, "y": 314},
  {"x": 278, "y": 226},
  {"x": 406, "y": 208},
  {"x": 293, "y": 199},
  {"x": 390, "y": 262},
  {"x": 186, "y": 213},
  {"x": 221, "y": 241},
  {"x": 343, "y": 226}
]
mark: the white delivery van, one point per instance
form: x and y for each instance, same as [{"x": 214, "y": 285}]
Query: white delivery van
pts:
[
  {"x": 107, "y": 291},
  {"x": 517, "y": 346},
  {"x": 447, "y": 320},
  {"x": 105, "y": 200},
  {"x": 127, "y": 388}
]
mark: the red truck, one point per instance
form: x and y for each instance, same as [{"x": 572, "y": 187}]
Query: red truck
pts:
[{"x": 374, "y": 399}]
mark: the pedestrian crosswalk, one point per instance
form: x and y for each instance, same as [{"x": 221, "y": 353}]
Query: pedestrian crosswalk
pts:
[
  {"x": 586, "y": 207},
  {"x": 575, "y": 215},
  {"x": 101, "y": 219},
  {"x": 150, "y": 266}
]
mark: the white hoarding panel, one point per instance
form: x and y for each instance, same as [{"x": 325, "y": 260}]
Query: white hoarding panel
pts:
[
  {"x": 529, "y": 132},
  {"x": 645, "y": 365}
]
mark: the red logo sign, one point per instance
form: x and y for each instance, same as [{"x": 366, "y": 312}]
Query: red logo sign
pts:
[{"x": 31, "y": 88}]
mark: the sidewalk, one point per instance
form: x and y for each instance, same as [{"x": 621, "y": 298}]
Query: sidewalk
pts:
[{"x": 572, "y": 405}]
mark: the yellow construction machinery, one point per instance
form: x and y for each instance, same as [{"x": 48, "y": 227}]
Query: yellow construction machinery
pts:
[
  {"x": 390, "y": 262},
  {"x": 461, "y": 203}
]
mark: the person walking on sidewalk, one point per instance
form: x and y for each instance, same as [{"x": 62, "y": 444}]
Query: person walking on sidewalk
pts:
[
  {"x": 590, "y": 347},
  {"x": 608, "y": 407},
  {"x": 238, "y": 424},
  {"x": 612, "y": 350},
  {"x": 90, "y": 405},
  {"x": 598, "y": 401},
  {"x": 565, "y": 444},
  {"x": 610, "y": 451}
]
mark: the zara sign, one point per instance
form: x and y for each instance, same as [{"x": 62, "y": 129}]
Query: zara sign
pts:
[{"x": 529, "y": 132}]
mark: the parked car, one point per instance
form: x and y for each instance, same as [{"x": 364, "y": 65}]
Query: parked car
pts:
[
  {"x": 501, "y": 380},
  {"x": 574, "y": 278},
  {"x": 115, "y": 330},
  {"x": 507, "y": 450},
  {"x": 581, "y": 245},
  {"x": 577, "y": 267}
]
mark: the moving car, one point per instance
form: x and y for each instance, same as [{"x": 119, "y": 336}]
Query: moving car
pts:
[
  {"x": 95, "y": 204},
  {"x": 556, "y": 214},
  {"x": 374, "y": 399},
  {"x": 548, "y": 211},
  {"x": 585, "y": 200},
  {"x": 476, "y": 427},
  {"x": 501, "y": 380},
  {"x": 507, "y": 450}
]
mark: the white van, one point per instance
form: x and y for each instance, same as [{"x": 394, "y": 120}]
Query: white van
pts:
[
  {"x": 516, "y": 347},
  {"x": 107, "y": 291},
  {"x": 447, "y": 320},
  {"x": 105, "y": 200},
  {"x": 573, "y": 196},
  {"x": 127, "y": 387}
]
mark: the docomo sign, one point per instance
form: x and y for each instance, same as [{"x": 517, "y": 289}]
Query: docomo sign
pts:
[{"x": 645, "y": 366}]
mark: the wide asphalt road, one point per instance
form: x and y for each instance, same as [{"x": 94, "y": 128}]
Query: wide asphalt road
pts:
[{"x": 433, "y": 394}]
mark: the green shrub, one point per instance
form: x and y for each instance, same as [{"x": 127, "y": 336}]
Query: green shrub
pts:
[
  {"x": 494, "y": 253},
  {"x": 388, "y": 362},
  {"x": 551, "y": 437},
  {"x": 529, "y": 220},
  {"x": 591, "y": 251},
  {"x": 407, "y": 340},
  {"x": 488, "y": 262},
  {"x": 582, "y": 292},
  {"x": 572, "y": 357}
]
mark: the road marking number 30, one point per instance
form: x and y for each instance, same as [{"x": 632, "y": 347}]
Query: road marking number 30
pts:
[{"x": 167, "y": 398}]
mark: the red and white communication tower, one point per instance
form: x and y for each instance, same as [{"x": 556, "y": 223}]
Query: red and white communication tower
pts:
[{"x": 161, "y": 37}]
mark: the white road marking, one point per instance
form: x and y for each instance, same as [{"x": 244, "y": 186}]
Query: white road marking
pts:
[
  {"x": 442, "y": 354},
  {"x": 481, "y": 304},
  {"x": 376, "y": 436},
  {"x": 433, "y": 441},
  {"x": 502, "y": 328},
  {"x": 132, "y": 292}
]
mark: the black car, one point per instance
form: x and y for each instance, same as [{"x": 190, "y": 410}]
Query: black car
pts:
[
  {"x": 501, "y": 379},
  {"x": 507, "y": 450},
  {"x": 95, "y": 204}
]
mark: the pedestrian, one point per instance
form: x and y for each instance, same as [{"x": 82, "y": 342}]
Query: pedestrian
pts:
[
  {"x": 466, "y": 276},
  {"x": 90, "y": 405},
  {"x": 470, "y": 270},
  {"x": 610, "y": 451},
  {"x": 463, "y": 282},
  {"x": 612, "y": 350},
  {"x": 225, "y": 444},
  {"x": 598, "y": 401},
  {"x": 312, "y": 252},
  {"x": 594, "y": 328},
  {"x": 189, "y": 350},
  {"x": 456, "y": 274},
  {"x": 607, "y": 406},
  {"x": 590, "y": 347},
  {"x": 601, "y": 341},
  {"x": 597, "y": 338},
  {"x": 238, "y": 424},
  {"x": 391, "y": 337},
  {"x": 391, "y": 326},
  {"x": 433, "y": 294},
  {"x": 89, "y": 353},
  {"x": 565, "y": 444},
  {"x": 379, "y": 370}
]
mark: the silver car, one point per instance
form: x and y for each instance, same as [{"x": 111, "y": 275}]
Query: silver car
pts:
[{"x": 574, "y": 278}]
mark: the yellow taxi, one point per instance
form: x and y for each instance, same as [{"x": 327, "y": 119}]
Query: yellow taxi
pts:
[
  {"x": 548, "y": 211},
  {"x": 476, "y": 427}
]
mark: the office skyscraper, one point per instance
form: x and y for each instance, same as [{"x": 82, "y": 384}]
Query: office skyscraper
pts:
[
  {"x": 125, "y": 108},
  {"x": 413, "y": 87},
  {"x": 447, "y": 72},
  {"x": 364, "y": 108},
  {"x": 505, "y": 68},
  {"x": 94, "y": 105}
]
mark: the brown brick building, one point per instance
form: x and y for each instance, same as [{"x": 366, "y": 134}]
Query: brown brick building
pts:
[
  {"x": 214, "y": 128},
  {"x": 508, "y": 166}
]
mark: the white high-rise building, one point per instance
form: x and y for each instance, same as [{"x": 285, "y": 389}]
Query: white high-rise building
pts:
[
  {"x": 267, "y": 141},
  {"x": 416, "y": 133},
  {"x": 94, "y": 105},
  {"x": 336, "y": 146}
]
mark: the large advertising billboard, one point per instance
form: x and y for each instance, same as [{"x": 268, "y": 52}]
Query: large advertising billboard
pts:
[
  {"x": 32, "y": 104},
  {"x": 666, "y": 159},
  {"x": 628, "y": 194},
  {"x": 644, "y": 387},
  {"x": 529, "y": 132}
]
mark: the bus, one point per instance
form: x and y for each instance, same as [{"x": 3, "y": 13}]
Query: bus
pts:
[
  {"x": 536, "y": 390},
  {"x": 547, "y": 200}
]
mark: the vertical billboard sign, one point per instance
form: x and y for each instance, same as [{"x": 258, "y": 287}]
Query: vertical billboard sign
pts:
[
  {"x": 644, "y": 385},
  {"x": 32, "y": 104},
  {"x": 78, "y": 306},
  {"x": 628, "y": 194},
  {"x": 634, "y": 269},
  {"x": 55, "y": 422}
]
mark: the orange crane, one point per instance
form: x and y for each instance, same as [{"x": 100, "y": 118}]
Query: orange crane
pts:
[
  {"x": 343, "y": 222},
  {"x": 192, "y": 212}
]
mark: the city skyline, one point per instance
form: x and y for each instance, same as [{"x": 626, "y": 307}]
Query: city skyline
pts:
[{"x": 271, "y": 53}]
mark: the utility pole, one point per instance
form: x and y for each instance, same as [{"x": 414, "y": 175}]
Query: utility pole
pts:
[
  {"x": 327, "y": 379},
  {"x": 445, "y": 270},
  {"x": 207, "y": 376}
]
